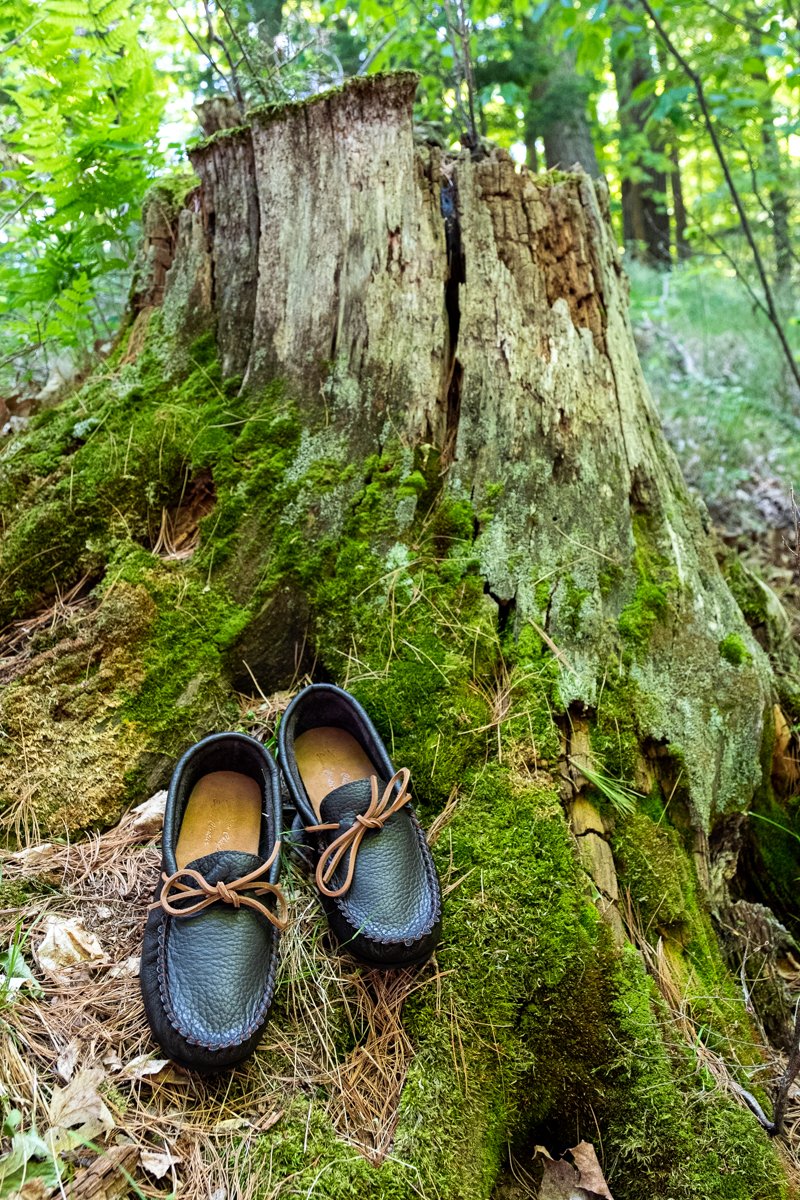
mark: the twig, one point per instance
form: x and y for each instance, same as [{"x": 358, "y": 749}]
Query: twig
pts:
[
  {"x": 373, "y": 54},
  {"x": 215, "y": 40},
  {"x": 458, "y": 32},
  {"x": 762, "y": 204},
  {"x": 212, "y": 62},
  {"x": 254, "y": 74},
  {"x": 739, "y": 22},
  {"x": 787, "y": 1079},
  {"x": 697, "y": 84},
  {"x": 20, "y": 37},
  {"x": 24, "y": 202},
  {"x": 795, "y": 549}
]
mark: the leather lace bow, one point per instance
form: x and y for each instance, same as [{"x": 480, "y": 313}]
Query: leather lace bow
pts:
[
  {"x": 347, "y": 843},
  {"x": 238, "y": 892}
]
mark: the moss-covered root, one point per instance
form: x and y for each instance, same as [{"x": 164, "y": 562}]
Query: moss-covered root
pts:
[{"x": 535, "y": 1029}]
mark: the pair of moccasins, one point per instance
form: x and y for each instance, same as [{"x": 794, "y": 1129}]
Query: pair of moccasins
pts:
[{"x": 211, "y": 941}]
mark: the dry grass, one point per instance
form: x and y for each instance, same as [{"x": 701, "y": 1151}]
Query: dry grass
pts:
[
  {"x": 726, "y": 1071},
  {"x": 179, "y": 532},
  {"x": 91, "y": 1016},
  {"x": 18, "y": 639}
]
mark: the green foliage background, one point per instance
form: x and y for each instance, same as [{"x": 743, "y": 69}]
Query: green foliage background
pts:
[{"x": 96, "y": 98}]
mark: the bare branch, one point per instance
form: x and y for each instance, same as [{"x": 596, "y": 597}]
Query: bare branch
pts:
[
  {"x": 204, "y": 51},
  {"x": 254, "y": 74}
]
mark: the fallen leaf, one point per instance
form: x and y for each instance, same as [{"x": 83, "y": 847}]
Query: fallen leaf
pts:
[
  {"x": 79, "y": 1106},
  {"x": 128, "y": 969},
  {"x": 9, "y": 986},
  {"x": 28, "y": 1163},
  {"x": 589, "y": 1170},
  {"x": 154, "y": 1070},
  {"x": 147, "y": 818},
  {"x": 580, "y": 1179},
  {"x": 67, "y": 1060},
  {"x": 33, "y": 856},
  {"x": 158, "y": 1163},
  {"x": 66, "y": 944}
]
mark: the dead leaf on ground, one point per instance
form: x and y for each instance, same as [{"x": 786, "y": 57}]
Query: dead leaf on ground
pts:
[
  {"x": 128, "y": 969},
  {"x": 579, "y": 1179},
  {"x": 33, "y": 856},
  {"x": 147, "y": 818},
  {"x": 158, "y": 1163},
  {"x": 148, "y": 1069},
  {"x": 68, "y": 1060},
  {"x": 32, "y": 1189},
  {"x": 80, "y": 1107},
  {"x": 67, "y": 943}
]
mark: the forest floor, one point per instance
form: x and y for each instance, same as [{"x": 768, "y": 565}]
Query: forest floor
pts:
[{"x": 729, "y": 410}]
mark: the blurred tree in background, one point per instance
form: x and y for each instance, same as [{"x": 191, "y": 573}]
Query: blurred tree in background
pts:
[{"x": 96, "y": 101}]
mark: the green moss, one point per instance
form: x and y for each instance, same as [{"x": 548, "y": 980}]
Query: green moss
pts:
[
  {"x": 454, "y": 521},
  {"x": 14, "y": 895},
  {"x": 277, "y": 111},
  {"x": 532, "y": 688},
  {"x": 610, "y": 576},
  {"x": 543, "y": 593},
  {"x": 536, "y": 1024},
  {"x": 774, "y": 849},
  {"x": 652, "y": 864},
  {"x": 748, "y": 592},
  {"x": 614, "y": 733},
  {"x": 221, "y": 135},
  {"x": 733, "y": 650},
  {"x": 656, "y": 579}
]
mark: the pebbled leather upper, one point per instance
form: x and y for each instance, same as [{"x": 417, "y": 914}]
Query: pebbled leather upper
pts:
[
  {"x": 391, "y": 914},
  {"x": 216, "y": 967},
  {"x": 208, "y": 978},
  {"x": 390, "y": 894}
]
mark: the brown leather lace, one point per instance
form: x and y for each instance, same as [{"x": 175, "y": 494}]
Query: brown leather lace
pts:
[
  {"x": 376, "y": 816},
  {"x": 238, "y": 892}
]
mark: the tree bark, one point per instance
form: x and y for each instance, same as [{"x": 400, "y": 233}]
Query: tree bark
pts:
[
  {"x": 558, "y": 113},
  {"x": 682, "y": 247},
  {"x": 645, "y": 217},
  {"x": 391, "y": 403}
]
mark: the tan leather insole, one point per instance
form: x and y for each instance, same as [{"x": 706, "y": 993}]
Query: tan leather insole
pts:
[
  {"x": 327, "y": 758},
  {"x": 223, "y": 813}
]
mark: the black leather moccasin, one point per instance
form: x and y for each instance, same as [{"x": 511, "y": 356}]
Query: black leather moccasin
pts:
[
  {"x": 374, "y": 870},
  {"x": 211, "y": 940}
]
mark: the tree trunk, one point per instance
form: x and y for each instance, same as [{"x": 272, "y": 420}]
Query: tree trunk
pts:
[
  {"x": 388, "y": 427},
  {"x": 645, "y": 217},
  {"x": 682, "y": 247},
  {"x": 558, "y": 111},
  {"x": 778, "y": 188}
]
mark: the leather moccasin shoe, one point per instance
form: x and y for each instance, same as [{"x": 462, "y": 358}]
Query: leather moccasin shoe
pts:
[
  {"x": 374, "y": 870},
  {"x": 211, "y": 940}
]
